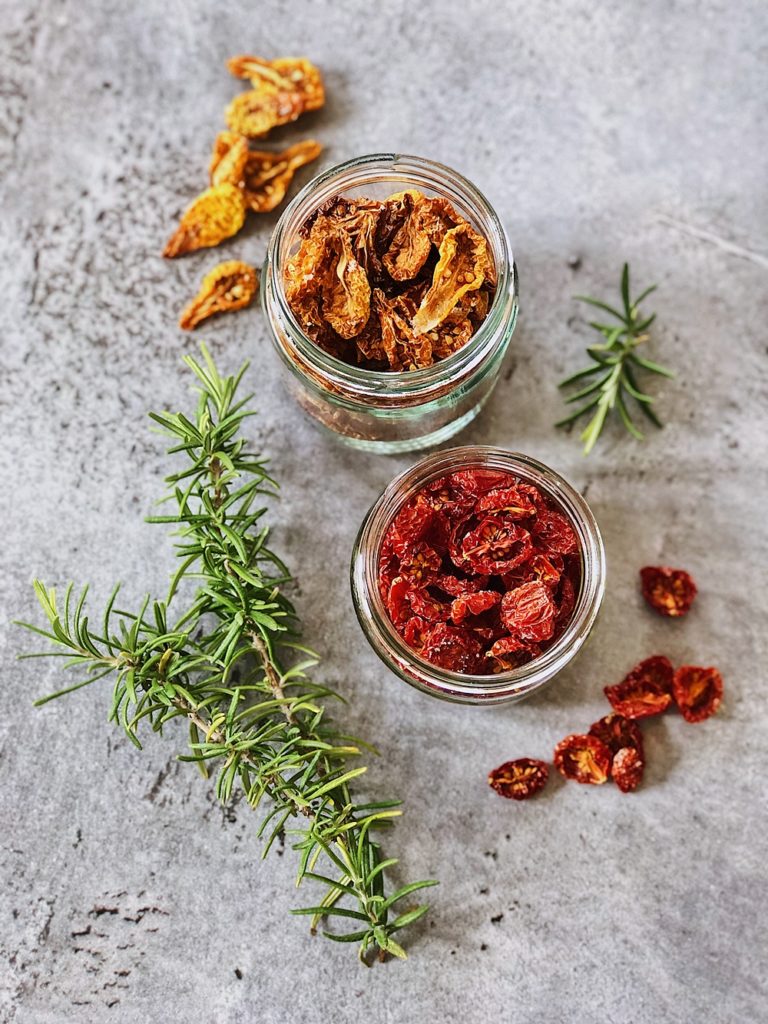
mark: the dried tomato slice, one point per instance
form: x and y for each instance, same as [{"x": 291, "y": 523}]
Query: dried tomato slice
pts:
[
  {"x": 616, "y": 732},
  {"x": 409, "y": 527},
  {"x": 420, "y": 564},
  {"x": 497, "y": 545},
  {"x": 415, "y": 631},
  {"x": 509, "y": 500},
  {"x": 528, "y": 612},
  {"x": 584, "y": 759},
  {"x": 456, "y": 587},
  {"x": 668, "y": 591},
  {"x": 453, "y": 648},
  {"x": 473, "y": 604},
  {"x": 427, "y": 607},
  {"x": 698, "y": 692},
  {"x": 554, "y": 533},
  {"x": 396, "y": 601},
  {"x": 519, "y": 779},
  {"x": 627, "y": 768},
  {"x": 480, "y": 481},
  {"x": 645, "y": 691}
]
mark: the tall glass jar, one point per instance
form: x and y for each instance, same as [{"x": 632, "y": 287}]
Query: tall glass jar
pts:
[
  {"x": 391, "y": 411},
  {"x": 402, "y": 659}
]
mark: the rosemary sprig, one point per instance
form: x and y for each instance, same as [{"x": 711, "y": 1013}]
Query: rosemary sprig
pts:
[
  {"x": 615, "y": 363},
  {"x": 230, "y": 662}
]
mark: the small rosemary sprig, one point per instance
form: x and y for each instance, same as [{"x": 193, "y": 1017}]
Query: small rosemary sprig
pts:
[
  {"x": 615, "y": 362},
  {"x": 231, "y": 664}
]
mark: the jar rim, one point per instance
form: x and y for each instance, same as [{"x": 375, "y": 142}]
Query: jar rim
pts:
[
  {"x": 391, "y": 647},
  {"x": 408, "y": 170}
]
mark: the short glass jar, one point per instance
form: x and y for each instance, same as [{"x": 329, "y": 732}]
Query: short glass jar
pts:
[
  {"x": 391, "y": 411},
  {"x": 402, "y": 659}
]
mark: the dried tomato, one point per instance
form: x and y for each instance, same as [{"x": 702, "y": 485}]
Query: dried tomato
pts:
[
  {"x": 584, "y": 759},
  {"x": 288, "y": 72},
  {"x": 520, "y": 779},
  {"x": 616, "y": 731},
  {"x": 668, "y": 591},
  {"x": 645, "y": 691},
  {"x": 473, "y": 604},
  {"x": 216, "y": 214},
  {"x": 460, "y": 269},
  {"x": 453, "y": 648},
  {"x": 627, "y": 768},
  {"x": 420, "y": 564},
  {"x": 267, "y": 176},
  {"x": 554, "y": 533},
  {"x": 228, "y": 160},
  {"x": 427, "y": 607},
  {"x": 256, "y": 112},
  {"x": 698, "y": 692},
  {"x": 396, "y": 601},
  {"x": 497, "y": 545},
  {"x": 463, "y": 559},
  {"x": 415, "y": 631},
  {"x": 509, "y": 500},
  {"x": 411, "y": 244},
  {"x": 228, "y": 287},
  {"x": 346, "y": 302},
  {"x": 528, "y": 612}
]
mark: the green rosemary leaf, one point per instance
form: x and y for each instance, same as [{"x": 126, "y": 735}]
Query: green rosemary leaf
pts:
[
  {"x": 626, "y": 418},
  {"x": 644, "y": 295},
  {"x": 600, "y": 305},
  {"x": 348, "y": 937},
  {"x": 408, "y": 918},
  {"x": 592, "y": 431},
  {"x": 588, "y": 390},
  {"x": 406, "y": 891},
  {"x": 625, "y": 292},
  {"x": 579, "y": 412},
  {"x": 331, "y": 912},
  {"x": 648, "y": 365}
]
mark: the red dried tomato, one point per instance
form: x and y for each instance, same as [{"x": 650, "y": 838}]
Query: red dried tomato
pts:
[
  {"x": 420, "y": 564},
  {"x": 463, "y": 544},
  {"x": 520, "y": 779},
  {"x": 528, "y": 612},
  {"x": 415, "y": 632},
  {"x": 668, "y": 591},
  {"x": 497, "y": 545},
  {"x": 479, "y": 481},
  {"x": 554, "y": 534},
  {"x": 585, "y": 759},
  {"x": 453, "y": 648},
  {"x": 396, "y": 601},
  {"x": 617, "y": 732},
  {"x": 698, "y": 692},
  {"x": 645, "y": 691},
  {"x": 427, "y": 607},
  {"x": 627, "y": 768},
  {"x": 509, "y": 500},
  {"x": 473, "y": 604},
  {"x": 456, "y": 587}
]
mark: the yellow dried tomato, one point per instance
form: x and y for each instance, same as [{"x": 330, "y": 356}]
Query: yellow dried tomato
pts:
[
  {"x": 216, "y": 214},
  {"x": 460, "y": 269},
  {"x": 267, "y": 176},
  {"x": 228, "y": 159},
  {"x": 229, "y": 286}
]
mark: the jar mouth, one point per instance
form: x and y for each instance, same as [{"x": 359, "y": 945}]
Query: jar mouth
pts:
[
  {"x": 399, "y": 171},
  {"x": 388, "y": 643}
]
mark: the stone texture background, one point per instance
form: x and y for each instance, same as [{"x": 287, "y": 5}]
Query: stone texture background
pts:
[{"x": 606, "y": 132}]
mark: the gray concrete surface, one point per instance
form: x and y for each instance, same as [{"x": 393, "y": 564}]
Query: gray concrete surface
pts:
[{"x": 604, "y": 131}]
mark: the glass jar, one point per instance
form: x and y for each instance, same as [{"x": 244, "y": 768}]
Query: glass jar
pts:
[
  {"x": 378, "y": 410},
  {"x": 402, "y": 659}
]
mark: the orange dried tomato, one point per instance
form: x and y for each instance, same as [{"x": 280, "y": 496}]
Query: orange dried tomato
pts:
[
  {"x": 473, "y": 604},
  {"x": 584, "y": 759},
  {"x": 627, "y": 768},
  {"x": 668, "y": 591},
  {"x": 528, "y": 612},
  {"x": 519, "y": 779},
  {"x": 698, "y": 692},
  {"x": 645, "y": 691}
]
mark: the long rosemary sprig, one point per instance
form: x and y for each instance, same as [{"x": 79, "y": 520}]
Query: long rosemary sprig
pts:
[
  {"x": 231, "y": 664},
  {"x": 615, "y": 362}
]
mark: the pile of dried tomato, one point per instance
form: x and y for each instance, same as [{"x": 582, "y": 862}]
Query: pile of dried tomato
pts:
[
  {"x": 479, "y": 571},
  {"x": 613, "y": 746},
  {"x": 392, "y": 285},
  {"x": 242, "y": 179}
]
